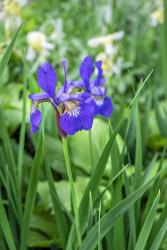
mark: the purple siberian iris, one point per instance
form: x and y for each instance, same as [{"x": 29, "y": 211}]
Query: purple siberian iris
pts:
[
  {"x": 74, "y": 113},
  {"x": 95, "y": 88}
]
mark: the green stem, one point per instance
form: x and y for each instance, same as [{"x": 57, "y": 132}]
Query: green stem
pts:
[
  {"x": 72, "y": 189},
  {"x": 22, "y": 137},
  {"x": 91, "y": 149}
]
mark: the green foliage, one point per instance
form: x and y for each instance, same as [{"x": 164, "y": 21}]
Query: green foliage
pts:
[{"x": 103, "y": 189}]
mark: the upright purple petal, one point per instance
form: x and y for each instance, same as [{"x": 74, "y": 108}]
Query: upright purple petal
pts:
[
  {"x": 64, "y": 63},
  {"x": 86, "y": 70},
  {"x": 104, "y": 107},
  {"x": 47, "y": 79},
  {"x": 35, "y": 119},
  {"x": 100, "y": 73}
]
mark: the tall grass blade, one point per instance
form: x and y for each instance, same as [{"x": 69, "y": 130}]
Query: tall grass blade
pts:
[
  {"x": 59, "y": 214},
  {"x": 144, "y": 234},
  {"x": 4, "y": 223},
  {"x": 159, "y": 237},
  {"x": 8, "y": 52},
  {"x": 108, "y": 220},
  {"x": 30, "y": 196}
]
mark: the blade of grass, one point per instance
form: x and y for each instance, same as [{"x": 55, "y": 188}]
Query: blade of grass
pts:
[
  {"x": 108, "y": 220},
  {"x": 90, "y": 213},
  {"x": 72, "y": 189},
  {"x": 99, "y": 197},
  {"x": 145, "y": 122},
  {"x": 9, "y": 156},
  {"x": 144, "y": 234},
  {"x": 10, "y": 198},
  {"x": 8, "y": 52},
  {"x": 131, "y": 214},
  {"x": 4, "y": 223},
  {"x": 164, "y": 46},
  {"x": 59, "y": 214},
  {"x": 92, "y": 186},
  {"x": 30, "y": 196},
  {"x": 159, "y": 237},
  {"x": 157, "y": 226},
  {"x": 22, "y": 131},
  {"x": 148, "y": 171},
  {"x": 97, "y": 173},
  {"x": 99, "y": 234},
  {"x": 118, "y": 230},
  {"x": 138, "y": 160},
  {"x": 138, "y": 152}
]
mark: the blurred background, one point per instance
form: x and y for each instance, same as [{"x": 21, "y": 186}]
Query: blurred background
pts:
[{"x": 129, "y": 36}]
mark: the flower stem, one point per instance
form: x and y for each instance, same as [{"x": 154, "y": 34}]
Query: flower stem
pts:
[{"x": 72, "y": 189}]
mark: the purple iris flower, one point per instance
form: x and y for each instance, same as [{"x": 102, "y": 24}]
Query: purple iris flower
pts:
[
  {"x": 74, "y": 111},
  {"x": 96, "y": 88}
]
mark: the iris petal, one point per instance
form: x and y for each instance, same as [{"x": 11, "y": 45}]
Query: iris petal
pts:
[
  {"x": 64, "y": 64},
  {"x": 35, "y": 120},
  {"x": 38, "y": 97},
  {"x": 100, "y": 73},
  {"x": 79, "y": 119},
  {"x": 105, "y": 108},
  {"x": 47, "y": 79},
  {"x": 86, "y": 70}
]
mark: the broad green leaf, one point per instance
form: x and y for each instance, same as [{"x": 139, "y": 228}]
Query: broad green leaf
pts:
[
  {"x": 53, "y": 147},
  {"x": 80, "y": 143},
  {"x": 37, "y": 239}
]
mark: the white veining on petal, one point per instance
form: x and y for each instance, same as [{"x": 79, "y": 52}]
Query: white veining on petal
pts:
[
  {"x": 74, "y": 112},
  {"x": 99, "y": 102}
]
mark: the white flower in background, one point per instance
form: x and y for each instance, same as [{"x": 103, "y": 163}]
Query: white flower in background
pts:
[
  {"x": 157, "y": 16},
  {"x": 57, "y": 34},
  {"x": 10, "y": 14},
  {"x": 38, "y": 45},
  {"x": 105, "y": 40},
  {"x": 111, "y": 64}
]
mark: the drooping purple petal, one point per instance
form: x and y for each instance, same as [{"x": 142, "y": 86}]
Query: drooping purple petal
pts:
[
  {"x": 47, "y": 79},
  {"x": 100, "y": 73},
  {"x": 64, "y": 63},
  {"x": 38, "y": 97},
  {"x": 79, "y": 118},
  {"x": 86, "y": 70},
  {"x": 35, "y": 119},
  {"x": 87, "y": 115},
  {"x": 103, "y": 107}
]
